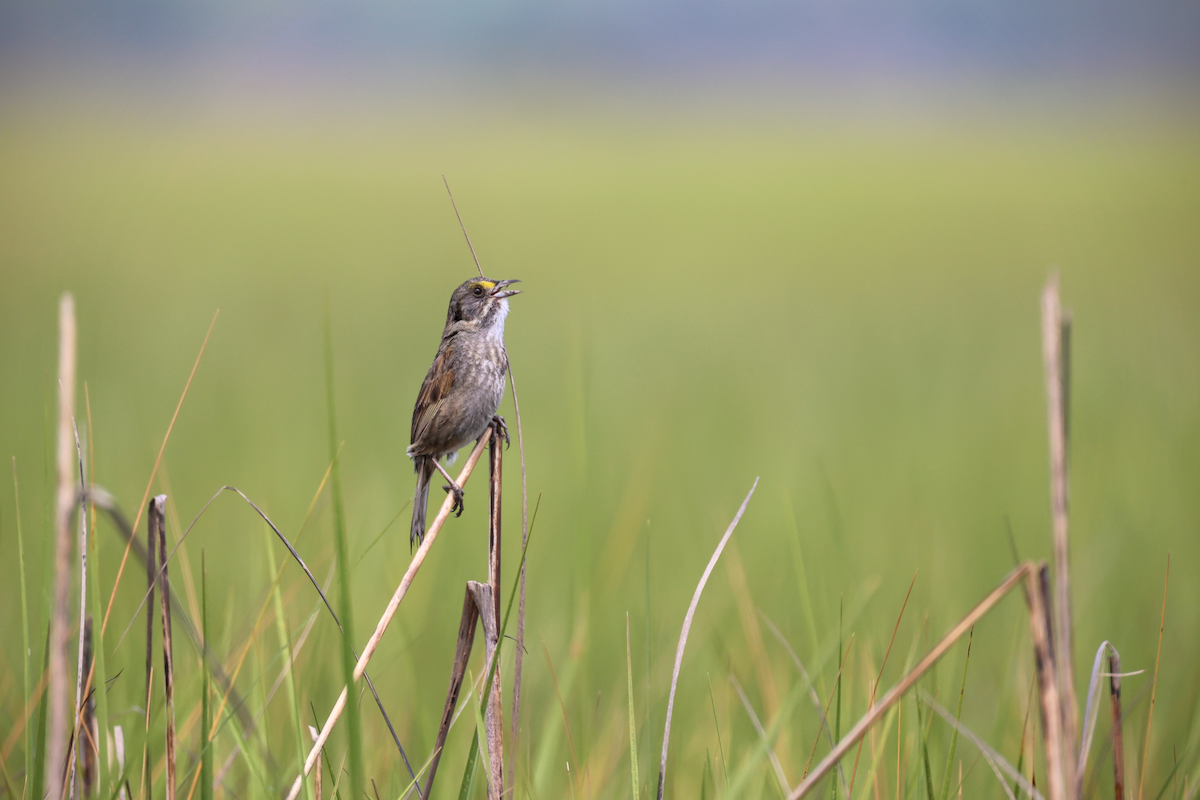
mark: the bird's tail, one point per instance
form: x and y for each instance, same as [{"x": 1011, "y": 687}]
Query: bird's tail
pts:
[{"x": 424, "y": 467}]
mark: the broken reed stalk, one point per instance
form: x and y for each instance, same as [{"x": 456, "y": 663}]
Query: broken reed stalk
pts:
[
  {"x": 1118, "y": 740},
  {"x": 1056, "y": 355},
  {"x": 157, "y": 523},
  {"x": 683, "y": 634},
  {"x": 1025, "y": 572},
  {"x": 58, "y": 702},
  {"x": 401, "y": 590},
  {"x": 494, "y": 718}
]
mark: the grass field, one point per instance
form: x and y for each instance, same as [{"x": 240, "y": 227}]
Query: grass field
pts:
[{"x": 847, "y": 308}]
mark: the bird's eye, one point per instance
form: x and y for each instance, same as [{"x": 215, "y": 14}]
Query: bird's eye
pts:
[{"x": 477, "y": 291}]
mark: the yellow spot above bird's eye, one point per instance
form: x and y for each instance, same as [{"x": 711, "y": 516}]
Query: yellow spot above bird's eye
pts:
[{"x": 486, "y": 284}]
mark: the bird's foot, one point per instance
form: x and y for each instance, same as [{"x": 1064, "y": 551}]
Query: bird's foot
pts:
[
  {"x": 500, "y": 429},
  {"x": 458, "y": 493}
]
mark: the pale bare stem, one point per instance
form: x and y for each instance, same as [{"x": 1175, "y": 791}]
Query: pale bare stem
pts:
[
  {"x": 1023, "y": 572},
  {"x": 683, "y": 634},
  {"x": 1055, "y": 335},
  {"x": 57, "y": 724},
  {"x": 401, "y": 590}
]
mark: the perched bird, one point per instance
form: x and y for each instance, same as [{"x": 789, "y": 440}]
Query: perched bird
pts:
[{"x": 463, "y": 389}]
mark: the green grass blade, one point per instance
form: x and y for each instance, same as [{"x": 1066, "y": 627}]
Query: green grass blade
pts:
[
  {"x": 837, "y": 725},
  {"x": 957, "y": 715},
  {"x": 285, "y": 653},
  {"x": 468, "y": 779},
  {"x": 353, "y": 720},
  {"x": 633, "y": 760},
  {"x": 924, "y": 734},
  {"x": 717, "y": 725},
  {"x": 481, "y": 733},
  {"x": 100, "y": 672},
  {"x": 39, "y": 740},
  {"x": 206, "y": 754},
  {"x": 26, "y": 653}
]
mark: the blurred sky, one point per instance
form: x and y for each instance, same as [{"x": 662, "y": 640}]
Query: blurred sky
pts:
[{"x": 820, "y": 41}]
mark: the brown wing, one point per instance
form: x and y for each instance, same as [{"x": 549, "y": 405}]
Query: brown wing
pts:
[{"x": 435, "y": 389}]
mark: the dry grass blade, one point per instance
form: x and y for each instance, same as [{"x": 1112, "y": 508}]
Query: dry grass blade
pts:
[
  {"x": 1023, "y": 572},
  {"x": 683, "y": 634},
  {"x": 57, "y": 724},
  {"x": 1154, "y": 684},
  {"x": 158, "y": 524},
  {"x": 997, "y": 762},
  {"x": 401, "y": 590},
  {"x": 1055, "y": 337}
]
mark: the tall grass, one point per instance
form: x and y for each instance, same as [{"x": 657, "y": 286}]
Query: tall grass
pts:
[{"x": 852, "y": 316}]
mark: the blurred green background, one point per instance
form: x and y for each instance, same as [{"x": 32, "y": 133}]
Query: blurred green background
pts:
[{"x": 834, "y": 292}]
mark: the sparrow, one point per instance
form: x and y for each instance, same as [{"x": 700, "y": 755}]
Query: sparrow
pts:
[{"x": 463, "y": 389}]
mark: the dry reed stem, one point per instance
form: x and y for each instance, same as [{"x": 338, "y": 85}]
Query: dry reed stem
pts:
[
  {"x": 1055, "y": 337},
  {"x": 401, "y": 590},
  {"x": 1042, "y": 630},
  {"x": 683, "y": 634},
  {"x": 494, "y": 715},
  {"x": 57, "y": 725},
  {"x": 1154, "y": 684},
  {"x": 158, "y": 525},
  {"x": 1023, "y": 572},
  {"x": 1118, "y": 739}
]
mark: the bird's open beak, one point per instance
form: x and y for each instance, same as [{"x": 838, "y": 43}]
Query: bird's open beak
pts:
[{"x": 499, "y": 291}]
